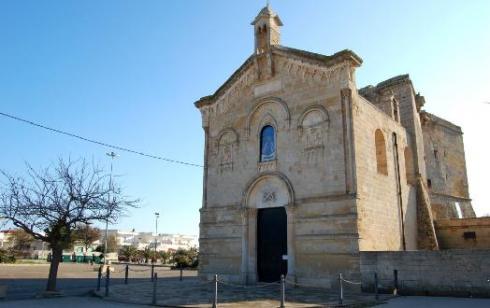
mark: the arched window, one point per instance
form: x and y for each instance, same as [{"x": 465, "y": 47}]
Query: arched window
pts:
[
  {"x": 381, "y": 162},
  {"x": 396, "y": 109},
  {"x": 267, "y": 143}
]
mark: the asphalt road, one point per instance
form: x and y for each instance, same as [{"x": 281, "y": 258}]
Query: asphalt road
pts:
[{"x": 28, "y": 281}]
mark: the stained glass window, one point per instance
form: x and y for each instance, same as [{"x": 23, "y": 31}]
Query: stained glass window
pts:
[{"x": 267, "y": 143}]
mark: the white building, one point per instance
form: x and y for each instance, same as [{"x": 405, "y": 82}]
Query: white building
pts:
[{"x": 142, "y": 240}]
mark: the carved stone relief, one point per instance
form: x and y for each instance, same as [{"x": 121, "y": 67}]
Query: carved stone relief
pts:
[
  {"x": 313, "y": 72},
  {"x": 269, "y": 197},
  {"x": 226, "y": 149},
  {"x": 269, "y": 191},
  {"x": 313, "y": 128}
]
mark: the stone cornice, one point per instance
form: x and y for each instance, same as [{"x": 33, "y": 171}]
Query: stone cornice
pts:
[{"x": 309, "y": 57}]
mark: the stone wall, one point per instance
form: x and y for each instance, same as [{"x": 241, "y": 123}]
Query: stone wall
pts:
[
  {"x": 445, "y": 272},
  {"x": 380, "y": 220},
  {"x": 446, "y": 168},
  {"x": 468, "y": 233},
  {"x": 302, "y": 100}
]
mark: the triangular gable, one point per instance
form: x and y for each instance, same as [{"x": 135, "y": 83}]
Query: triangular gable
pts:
[{"x": 242, "y": 74}]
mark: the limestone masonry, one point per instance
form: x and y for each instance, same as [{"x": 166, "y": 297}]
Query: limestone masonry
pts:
[{"x": 347, "y": 170}]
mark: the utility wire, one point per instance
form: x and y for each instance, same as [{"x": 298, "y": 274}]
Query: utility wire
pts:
[{"x": 99, "y": 142}]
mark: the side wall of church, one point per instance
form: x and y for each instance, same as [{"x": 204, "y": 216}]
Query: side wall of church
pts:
[
  {"x": 446, "y": 168},
  {"x": 379, "y": 210},
  {"x": 304, "y": 106}
]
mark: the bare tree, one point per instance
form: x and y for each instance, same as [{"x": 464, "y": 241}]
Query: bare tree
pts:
[
  {"x": 50, "y": 203},
  {"x": 86, "y": 235}
]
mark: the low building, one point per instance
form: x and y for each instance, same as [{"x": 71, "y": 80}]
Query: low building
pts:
[{"x": 142, "y": 240}]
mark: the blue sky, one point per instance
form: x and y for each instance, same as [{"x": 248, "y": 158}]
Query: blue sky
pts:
[{"x": 128, "y": 72}]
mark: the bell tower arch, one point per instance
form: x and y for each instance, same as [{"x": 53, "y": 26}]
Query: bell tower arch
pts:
[{"x": 267, "y": 29}]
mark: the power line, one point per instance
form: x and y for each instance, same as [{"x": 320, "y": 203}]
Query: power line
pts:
[{"x": 116, "y": 147}]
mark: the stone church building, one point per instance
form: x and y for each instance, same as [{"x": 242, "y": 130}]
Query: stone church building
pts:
[{"x": 304, "y": 170}]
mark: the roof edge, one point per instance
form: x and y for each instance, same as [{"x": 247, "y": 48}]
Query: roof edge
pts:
[
  {"x": 320, "y": 59},
  {"x": 440, "y": 121}
]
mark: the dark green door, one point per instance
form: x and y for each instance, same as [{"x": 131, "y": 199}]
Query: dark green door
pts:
[{"x": 271, "y": 244}]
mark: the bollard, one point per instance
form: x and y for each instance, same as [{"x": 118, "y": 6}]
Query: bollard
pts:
[
  {"x": 376, "y": 295},
  {"x": 155, "y": 279},
  {"x": 126, "y": 274},
  {"x": 341, "y": 291},
  {"x": 283, "y": 292},
  {"x": 181, "y": 274},
  {"x": 99, "y": 277},
  {"x": 395, "y": 282},
  {"x": 107, "y": 280},
  {"x": 215, "y": 299},
  {"x": 152, "y": 271}
]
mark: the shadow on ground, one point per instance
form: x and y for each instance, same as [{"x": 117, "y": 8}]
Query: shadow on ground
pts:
[
  {"x": 195, "y": 293},
  {"x": 30, "y": 288}
]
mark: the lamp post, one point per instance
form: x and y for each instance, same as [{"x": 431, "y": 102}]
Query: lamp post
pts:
[
  {"x": 112, "y": 155},
  {"x": 157, "y": 215}
]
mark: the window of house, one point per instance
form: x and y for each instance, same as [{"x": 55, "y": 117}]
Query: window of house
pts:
[
  {"x": 469, "y": 235},
  {"x": 381, "y": 162},
  {"x": 267, "y": 143}
]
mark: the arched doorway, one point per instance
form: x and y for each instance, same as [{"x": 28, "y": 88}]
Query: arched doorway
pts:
[
  {"x": 272, "y": 246},
  {"x": 268, "y": 234}
]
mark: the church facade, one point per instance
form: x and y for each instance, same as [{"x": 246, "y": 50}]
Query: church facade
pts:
[{"x": 304, "y": 171}]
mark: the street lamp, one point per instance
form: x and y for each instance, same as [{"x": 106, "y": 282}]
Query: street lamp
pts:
[
  {"x": 112, "y": 155},
  {"x": 157, "y": 215}
]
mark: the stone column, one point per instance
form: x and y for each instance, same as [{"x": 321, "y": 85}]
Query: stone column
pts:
[
  {"x": 349, "y": 146},
  {"x": 243, "y": 267},
  {"x": 251, "y": 246},
  {"x": 205, "y": 172},
  {"x": 291, "y": 239}
]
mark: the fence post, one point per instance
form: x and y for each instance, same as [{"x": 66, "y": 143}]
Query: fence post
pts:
[
  {"x": 283, "y": 291},
  {"x": 395, "y": 282},
  {"x": 99, "y": 277},
  {"x": 341, "y": 291},
  {"x": 376, "y": 295},
  {"x": 215, "y": 299},
  {"x": 181, "y": 273},
  {"x": 107, "y": 280},
  {"x": 152, "y": 271},
  {"x": 154, "y": 300},
  {"x": 126, "y": 274}
]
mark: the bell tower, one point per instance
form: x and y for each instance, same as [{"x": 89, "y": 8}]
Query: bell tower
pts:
[{"x": 266, "y": 29}]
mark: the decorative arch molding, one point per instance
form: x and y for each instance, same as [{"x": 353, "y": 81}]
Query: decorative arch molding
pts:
[
  {"x": 268, "y": 189},
  {"x": 312, "y": 133},
  {"x": 267, "y": 119},
  {"x": 261, "y": 189},
  {"x": 228, "y": 130},
  {"x": 274, "y": 107},
  {"x": 226, "y": 147},
  {"x": 311, "y": 109}
]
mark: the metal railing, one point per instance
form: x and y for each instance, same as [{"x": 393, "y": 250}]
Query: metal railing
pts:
[{"x": 216, "y": 281}]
